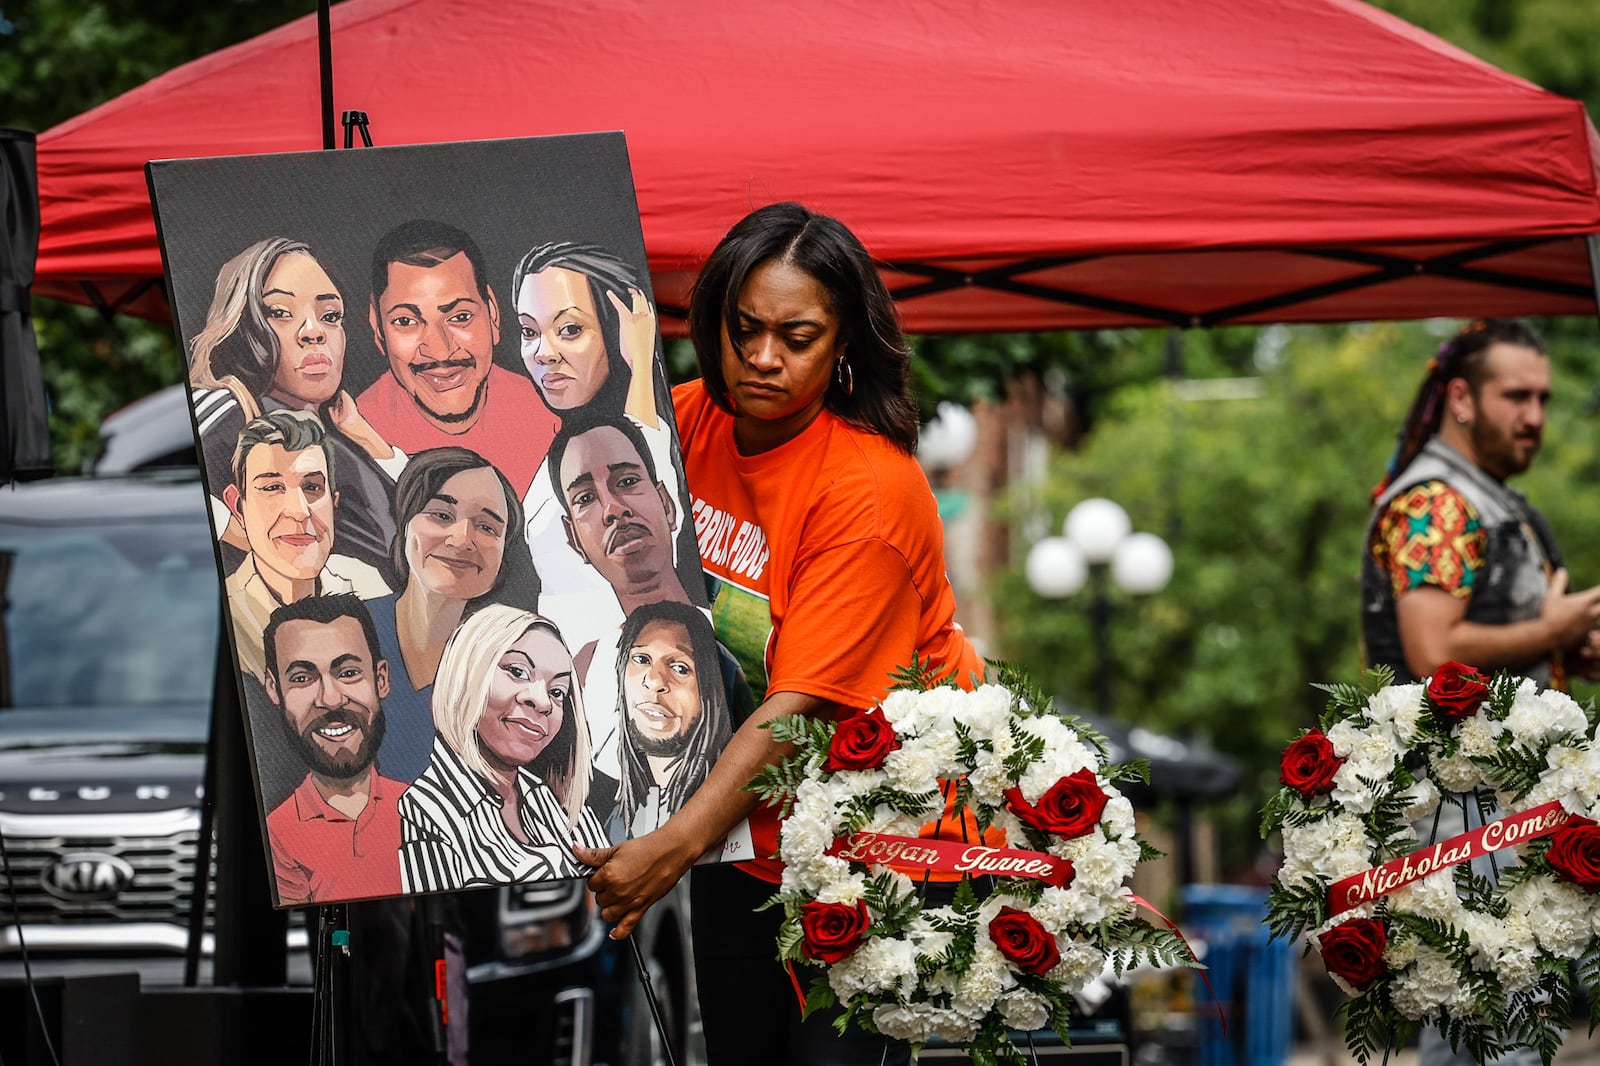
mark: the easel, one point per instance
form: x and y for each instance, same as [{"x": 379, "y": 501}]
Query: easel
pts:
[{"x": 250, "y": 950}]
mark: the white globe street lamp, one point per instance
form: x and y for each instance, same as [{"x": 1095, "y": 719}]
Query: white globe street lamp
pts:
[
  {"x": 1142, "y": 564},
  {"x": 950, "y": 439},
  {"x": 1056, "y": 568},
  {"x": 1097, "y": 526},
  {"x": 1099, "y": 545}
]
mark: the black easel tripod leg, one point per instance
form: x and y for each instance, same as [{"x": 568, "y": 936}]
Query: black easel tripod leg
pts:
[
  {"x": 655, "y": 1004},
  {"x": 200, "y": 888}
]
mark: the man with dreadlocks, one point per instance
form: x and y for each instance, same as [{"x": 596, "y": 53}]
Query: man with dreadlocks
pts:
[{"x": 1459, "y": 566}]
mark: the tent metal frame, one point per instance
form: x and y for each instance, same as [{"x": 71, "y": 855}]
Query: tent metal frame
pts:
[{"x": 1386, "y": 267}]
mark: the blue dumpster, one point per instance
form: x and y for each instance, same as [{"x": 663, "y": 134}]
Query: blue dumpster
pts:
[{"x": 1252, "y": 975}]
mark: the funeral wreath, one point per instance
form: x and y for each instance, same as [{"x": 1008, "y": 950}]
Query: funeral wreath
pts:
[
  {"x": 987, "y": 803},
  {"x": 1441, "y": 854}
]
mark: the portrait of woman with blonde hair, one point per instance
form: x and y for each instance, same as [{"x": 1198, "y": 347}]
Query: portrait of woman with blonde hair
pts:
[
  {"x": 503, "y": 797},
  {"x": 274, "y": 339}
]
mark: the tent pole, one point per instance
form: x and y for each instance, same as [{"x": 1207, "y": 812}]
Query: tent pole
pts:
[
  {"x": 1592, "y": 241},
  {"x": 325, "y": 65}
]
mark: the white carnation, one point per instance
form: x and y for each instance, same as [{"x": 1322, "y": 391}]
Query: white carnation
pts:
[
  {"x": 1080, "y": 963},
  {"x": 1573, "y": 778},
  {"x": 927, "y": 938},
  {"x": 1400, "y": 707},
  {"x": 879, "y": 965},
  {"x": 1350, "y": 788},
  {"x": 986, "y": 712},
  {"x": 1480, "y": 736},
  {"x": 1422, "y": 799},
  {"x": 1334, "y": 847},
  {"x": 914, "y": 767},
  {"x": 1428, "y": 986},
  {"x": 987, "y": 977},
  {"x": 1456, "y": 773},
  {"x": 901, "y": 1022},
  {"x": 1432, "y": 897},
  {"x": 1536, "y": 718},
  {"x": 1021, "y": 1009},
  {"x": 1344, "y": 736},
  {"x": 1559, "y": 915}
]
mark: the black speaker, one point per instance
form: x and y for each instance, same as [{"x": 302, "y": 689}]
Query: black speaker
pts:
[{"x": 24, "y": 428}]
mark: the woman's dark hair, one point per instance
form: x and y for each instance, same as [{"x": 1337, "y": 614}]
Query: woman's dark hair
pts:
[
  {"x": 1462, "y": 356},
  {"x": 869, "y": 330},
  {"x": 517, "y": 583},
  {"x": 707, "y": 736},
  {"x": 605, "y": 273}
]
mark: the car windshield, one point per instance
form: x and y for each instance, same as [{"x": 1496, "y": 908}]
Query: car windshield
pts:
[{"x": 104, "y": 614}]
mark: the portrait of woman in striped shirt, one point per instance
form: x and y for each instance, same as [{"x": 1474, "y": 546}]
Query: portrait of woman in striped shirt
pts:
[{"x": 502, "y": 798}]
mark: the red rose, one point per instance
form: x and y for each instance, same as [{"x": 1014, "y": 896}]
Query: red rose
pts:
[
  {"x": 1070, "y": 808},
  {"x": 1023, "y": 941},
  {"x": 1574, "y": 854},
  {"x": 1455, "y": 692},
  {"x": 833, "y": 931},
  {"x": 1308, "y": 765},
  {"x": 861, "y": 742},
  {"x": 1354, "y": 951}
]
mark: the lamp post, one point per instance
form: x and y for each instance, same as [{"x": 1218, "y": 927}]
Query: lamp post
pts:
[{"x": 1099, "y": 546}]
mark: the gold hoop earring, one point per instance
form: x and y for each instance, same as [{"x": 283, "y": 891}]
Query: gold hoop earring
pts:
[{"x": 846, "y": 375}]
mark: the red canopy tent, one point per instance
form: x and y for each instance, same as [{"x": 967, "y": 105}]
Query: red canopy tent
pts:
[{"x": 1022, "y": 165}]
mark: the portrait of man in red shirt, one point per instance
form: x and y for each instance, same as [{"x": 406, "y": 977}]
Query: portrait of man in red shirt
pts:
[{"x": 337, "y": 837}]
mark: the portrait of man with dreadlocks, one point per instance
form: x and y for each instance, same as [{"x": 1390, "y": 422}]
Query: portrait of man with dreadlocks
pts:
[
  {"x": 673, "y": 711},
  {"x": 1459, "y": 565}
]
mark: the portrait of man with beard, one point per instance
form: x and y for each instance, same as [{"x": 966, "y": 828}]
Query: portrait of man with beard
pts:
[
  {"x": 674, "y": 713},
  {"x": 337, "y": 837}
]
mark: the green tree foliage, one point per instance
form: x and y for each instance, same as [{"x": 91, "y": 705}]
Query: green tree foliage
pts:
[{"x": 59, "y": 58}]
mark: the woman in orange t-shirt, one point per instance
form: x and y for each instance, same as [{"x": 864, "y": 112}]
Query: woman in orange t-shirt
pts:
[{"x": 824, "y": 544}]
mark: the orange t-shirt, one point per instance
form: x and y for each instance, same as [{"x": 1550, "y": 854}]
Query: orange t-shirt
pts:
[{"x": 830, "y": 556}]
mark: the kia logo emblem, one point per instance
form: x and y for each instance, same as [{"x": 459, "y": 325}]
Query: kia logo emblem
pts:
[{"x": 86, "y": 876}]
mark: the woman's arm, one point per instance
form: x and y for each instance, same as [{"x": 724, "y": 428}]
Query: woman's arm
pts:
[
  {"x": 348, "y": 419},
  {"x": 637, "y": 336},
  {"x": 634, "y": 874}
]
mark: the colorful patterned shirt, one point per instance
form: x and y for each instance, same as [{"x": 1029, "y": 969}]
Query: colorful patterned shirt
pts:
[{"x": 1430, "y": 535}]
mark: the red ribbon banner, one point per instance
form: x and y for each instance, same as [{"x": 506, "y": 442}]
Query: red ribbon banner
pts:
[
  {"x": 1474, "y": 843},
  {"x": 977, "y": 860}
]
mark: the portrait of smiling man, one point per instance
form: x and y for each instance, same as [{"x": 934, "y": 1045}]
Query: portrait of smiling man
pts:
[
  {"x": 436, "y": 319},
  {"x": 337, "y": 837},
  {"x": 283, "y": 494}
]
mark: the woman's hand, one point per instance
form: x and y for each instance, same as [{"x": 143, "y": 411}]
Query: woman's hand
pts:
[
  {"x": 634, "y": 874},
  {"x": 347, "y": 419},
  {"x": 637, "y": 338},
  {"x": 636, "y": 327}
]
